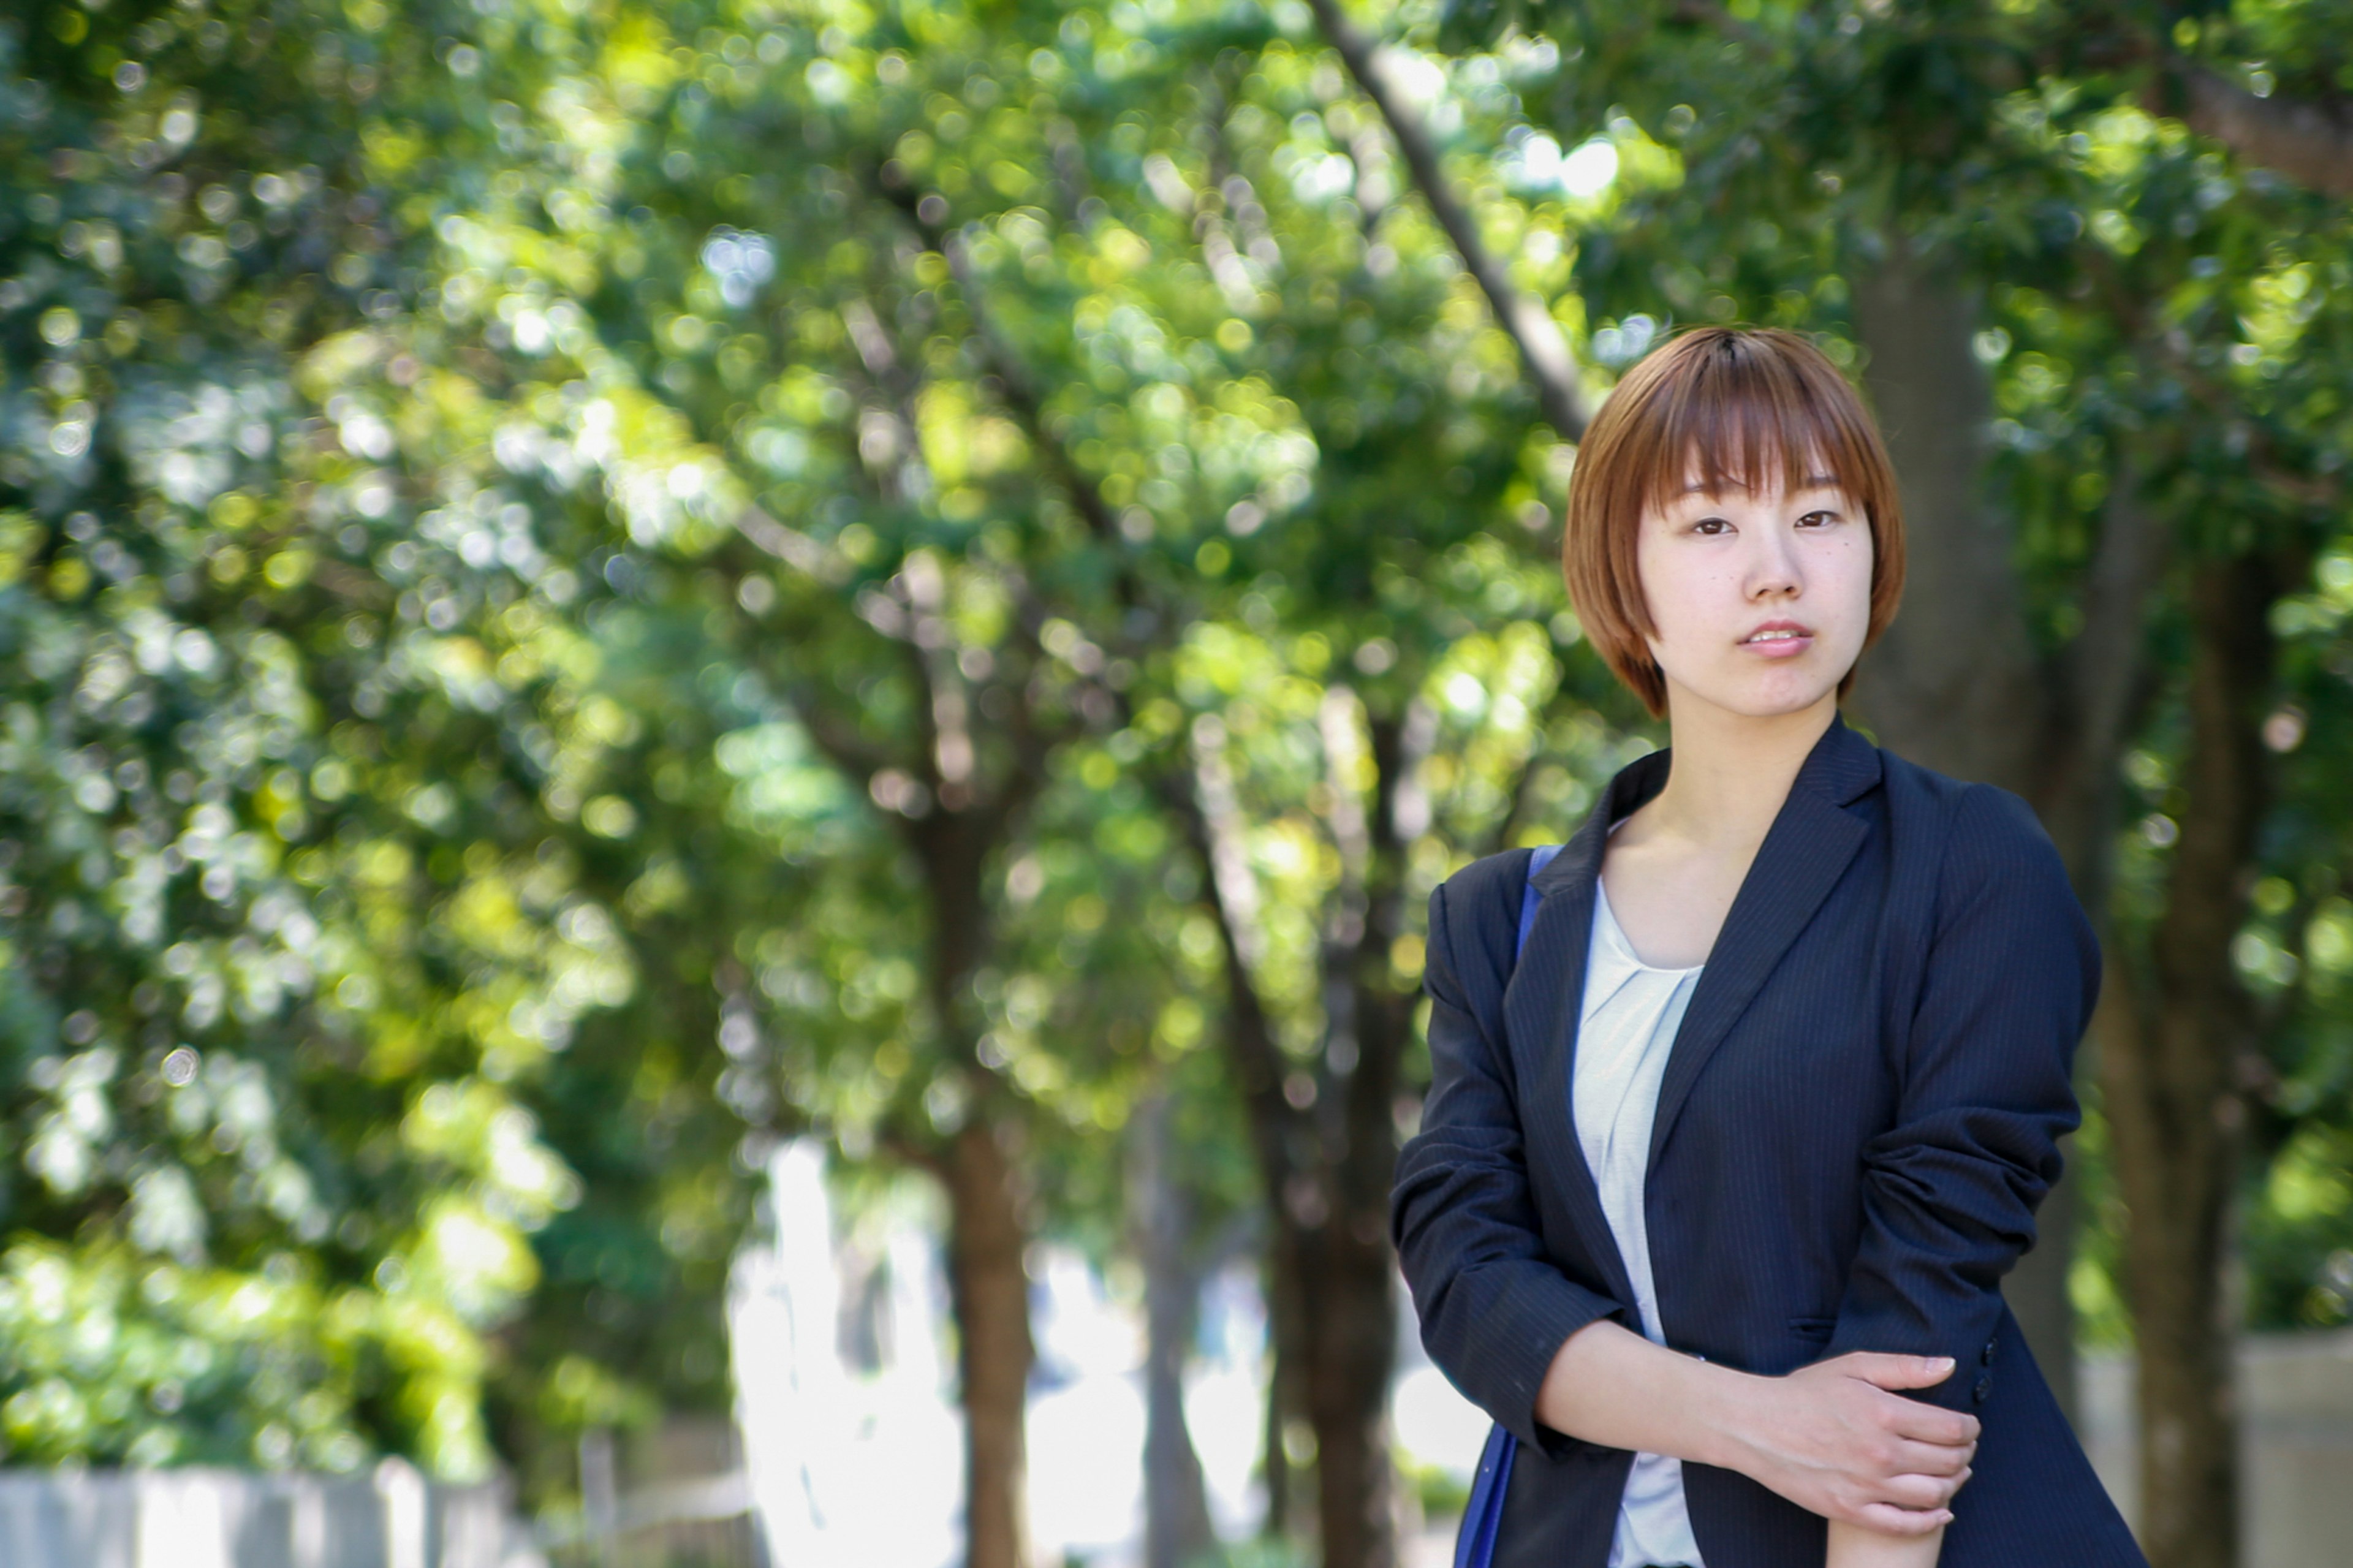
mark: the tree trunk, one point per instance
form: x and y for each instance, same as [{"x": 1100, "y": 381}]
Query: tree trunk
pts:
[
  {"x": 1295, "y": 1207},
  {"x": 1351, "y": 1354},
  {"x": 987, "y": 1223},
  {"x": 2174, "y": 1034},
  {"x": 1947, "y": 684},
  {"x": 991, "y": 1292},
  {"x": 1327, "y": 1141},
  {"x": 1177, "y": 1529},
  {"x": 1202, "y": 800},
  {"x": 963, "y": 817},
  {"x": 1369, "y": 1020},
  {"x": 1955, "y": 683},
  {"x": 1286, "y": 1358}
]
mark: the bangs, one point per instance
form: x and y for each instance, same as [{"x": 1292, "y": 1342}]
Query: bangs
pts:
[{"x": 1745, "y": 420}]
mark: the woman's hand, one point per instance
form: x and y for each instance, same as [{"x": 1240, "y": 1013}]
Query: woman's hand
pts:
[{"x": 1833, "y": 1439}]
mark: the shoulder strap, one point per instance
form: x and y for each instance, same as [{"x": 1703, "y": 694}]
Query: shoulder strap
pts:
[
  {"x": 1529, "y": 898},
  {"x": 1482, "y": 1519}
]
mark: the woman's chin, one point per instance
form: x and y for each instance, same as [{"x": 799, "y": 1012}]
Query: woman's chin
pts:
[{"x": 1766, "y": 694}]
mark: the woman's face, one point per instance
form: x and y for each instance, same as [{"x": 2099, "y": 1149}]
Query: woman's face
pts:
[{"x": 1760, "y": 599}]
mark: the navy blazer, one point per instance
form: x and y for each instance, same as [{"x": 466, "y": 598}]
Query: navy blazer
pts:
[{"x": 1859, "y": 1113}]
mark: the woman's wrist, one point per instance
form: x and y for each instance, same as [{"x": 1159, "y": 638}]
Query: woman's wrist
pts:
[
  {"x": 1609, "y": 1385},
  {"x": 1719, "y": 1410},
  {"x": 1731, "y": 1406},
  {"x": 1858, "y": 1546}
]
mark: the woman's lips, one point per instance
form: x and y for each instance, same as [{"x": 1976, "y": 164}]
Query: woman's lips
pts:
[{"x": 1788, "y": 646}]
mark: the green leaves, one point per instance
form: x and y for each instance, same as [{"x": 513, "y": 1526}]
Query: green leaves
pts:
[
  {"x": 581, "y": 591},
  {"x": 520, "y": 530}
]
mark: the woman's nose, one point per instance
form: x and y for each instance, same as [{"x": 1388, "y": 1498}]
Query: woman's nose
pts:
[{"x": 1774, "y": 569}]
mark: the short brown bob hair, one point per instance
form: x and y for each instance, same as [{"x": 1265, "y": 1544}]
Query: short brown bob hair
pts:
[{"x": 1744, "y": 405}]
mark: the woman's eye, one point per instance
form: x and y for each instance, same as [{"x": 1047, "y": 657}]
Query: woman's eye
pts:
[
  {"x": 1824, "y": 519},
  {"x": 1710, "y": 525}
]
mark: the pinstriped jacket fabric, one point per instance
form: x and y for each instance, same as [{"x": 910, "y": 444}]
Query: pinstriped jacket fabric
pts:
[{"x": 1860, "y": 1115}]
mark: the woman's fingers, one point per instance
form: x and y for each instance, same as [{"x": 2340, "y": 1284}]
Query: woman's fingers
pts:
[
  {"x": 1890, "y": 1521},
  {"x": 1932, "y": 1458},
  {"x": 1929, "y": 1424},
  {"x": 1886, "y": 1371},
  {"x": 1921, "y": 1492},
  {"x": 1911, "y": 1419}
]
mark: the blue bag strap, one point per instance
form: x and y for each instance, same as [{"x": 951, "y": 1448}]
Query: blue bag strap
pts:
[
  {"x": 1482, "y": 1516},
  {"x": 1529, "y": 898}
]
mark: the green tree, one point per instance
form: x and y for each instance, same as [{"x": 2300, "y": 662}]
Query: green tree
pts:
[
  {"x": 316, "y": 873},
  {"x": 261, "y": 1058}
]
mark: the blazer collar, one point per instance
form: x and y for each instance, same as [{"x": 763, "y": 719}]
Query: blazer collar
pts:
[
  {"x": 1842, "y": 767},
  {"x": 1805, "y": 851}
]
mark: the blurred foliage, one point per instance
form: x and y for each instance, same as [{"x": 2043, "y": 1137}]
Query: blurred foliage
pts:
[
  {"x": 518, "y": 519},
  {"x": 335, "y": 1062}
]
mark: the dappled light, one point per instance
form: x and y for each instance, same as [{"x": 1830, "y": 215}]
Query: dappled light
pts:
[{"x": 724, "y": 725}]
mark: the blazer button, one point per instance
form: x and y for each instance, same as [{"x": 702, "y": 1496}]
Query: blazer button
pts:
[
  {"x": 1987, "y": 1357},
  {"x": 1984, "y": 1388}
]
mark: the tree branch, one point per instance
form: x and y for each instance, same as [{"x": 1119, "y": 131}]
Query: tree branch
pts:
[
  {"x": 1544, "y": 350},
  {"x": 1199, "y": 793},
  {"x": 2100, "y": 685},
  {"x": 791, "y": 546},
  {"x": 841, "y": 745},
  {"x": 2308, "y": 140},
  {"x": 1020, "y": 394}
]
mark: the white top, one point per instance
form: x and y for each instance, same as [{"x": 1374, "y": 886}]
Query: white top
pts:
[{"x": 1631, "y": 1015}]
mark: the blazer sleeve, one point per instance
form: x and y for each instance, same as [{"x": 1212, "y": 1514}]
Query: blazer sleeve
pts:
[
  {"x": 2009, "y": 978},
  {"x": 1494, "y": 1306}
]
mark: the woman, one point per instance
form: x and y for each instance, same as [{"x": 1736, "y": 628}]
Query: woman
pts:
[{"x": 1718, "y": 1178}]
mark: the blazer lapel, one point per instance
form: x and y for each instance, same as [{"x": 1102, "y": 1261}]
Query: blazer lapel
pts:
[
  {"x": 1805, "y": 852},
  {"x": 1545, "y": 1001}
]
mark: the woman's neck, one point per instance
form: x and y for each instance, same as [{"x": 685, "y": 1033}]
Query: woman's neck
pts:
[{"x": 1731, "y": 771}]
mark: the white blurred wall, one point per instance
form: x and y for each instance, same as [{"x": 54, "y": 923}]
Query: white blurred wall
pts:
[{"x": 199, "y": 1517}]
